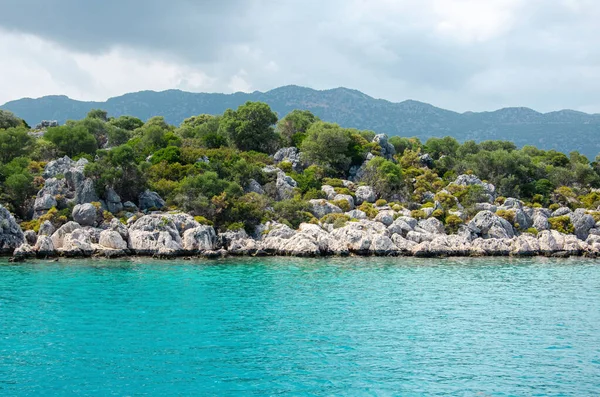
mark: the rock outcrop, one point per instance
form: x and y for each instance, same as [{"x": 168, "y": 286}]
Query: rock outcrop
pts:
[{"x": 11, "y": 235}]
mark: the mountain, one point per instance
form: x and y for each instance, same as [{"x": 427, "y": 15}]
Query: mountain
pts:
[{"x": 564, "y": 130}]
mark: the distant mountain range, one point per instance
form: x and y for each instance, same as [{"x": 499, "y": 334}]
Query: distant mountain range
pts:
[{"x": 564, "y": 130}]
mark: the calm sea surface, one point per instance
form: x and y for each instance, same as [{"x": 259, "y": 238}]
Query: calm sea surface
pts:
[{"x": 284, "y": 326}]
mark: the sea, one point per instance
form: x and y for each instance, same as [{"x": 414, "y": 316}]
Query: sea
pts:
[{"x": 300, "y": 327}]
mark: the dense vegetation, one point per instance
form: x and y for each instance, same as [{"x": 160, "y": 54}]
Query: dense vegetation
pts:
[
  {"x": 563, "y": 130},
  {"x": 207, "y": 164}
]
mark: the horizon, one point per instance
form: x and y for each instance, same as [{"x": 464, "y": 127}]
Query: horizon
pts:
[{"x": 101, "y": 101}]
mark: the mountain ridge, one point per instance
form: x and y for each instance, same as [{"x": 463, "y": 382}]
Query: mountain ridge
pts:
[{"x": 563, "y": 130}]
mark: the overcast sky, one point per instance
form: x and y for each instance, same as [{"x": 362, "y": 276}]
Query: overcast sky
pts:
[{"x": 457, "y": 54}]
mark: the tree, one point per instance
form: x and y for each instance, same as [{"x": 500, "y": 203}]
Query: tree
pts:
[
  {"x": 327, "y": 145},
  {"x": 384, "y": 176},
  {"x": 72, "y": 140},
  {"x": 98, "y": 114},
  {"x": 128, "y": 123},
  {"x": 9, "y": 120},
  {"x": 438, "y": 147},
  {"x": 292, "y": 128},
  {"x": 250, "y": 127},
  {"x": 14, "y": 142}
]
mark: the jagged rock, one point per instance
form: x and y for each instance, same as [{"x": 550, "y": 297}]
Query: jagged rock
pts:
[
  {"x": 150, "y": 200},
  {"x": 254, "y": 187},
  {"x": 317, "y": 235},
  {"x": 85, "y": 214},
  {"x": 151, "y": 233},
  {"x": 46, "y": 229},
  {"x": 469, "y": 180},
  {"x": 285, "y": 186},
  {"x": 128, "y": 206},
  {"x": 345, "y": 197},
  {"x": 486, "y": 207},
  {"x": 386, "y": 217},
  {"x": 229, "y": 237},
  {"x": 58, "y": 167},
  {"x": 279, "y": 230},
  {"x": 24, "y": 251},
  {"x": 30, "y": 237},
  {"x": 402, "y": 225},
  {"x": 403, "y": 245},
  {"x": 44, "y": 246},
  {"x": 491, "y": 246},
  {"x": 200, "y": 238},
  {"x": 387, "y": 149},
  {"x": 582, "y": 223},
  {"x": 525, "y": 245},
  {"x": 551, "y": 241},
  {"x": 561, "y": 211},
  {"x": 365, "y": 194},
  {"x": 355, "y": 237},
  {"x": 44, "y": 203},
  {"x": 77, "y": 243},
  {"x": 329, "y": 191},
  {"x": 432, "y": 225},
  {"x": 419, "y": 237},
  {"x": 428, "y": 197},
  {"x": 183, "y": 221},
  {"x": 113, "y": 201},
  {"x": 426, "y": 160},
  {"x": 112, "y": 239},
  {"x": 58, "y": 236},
  {"x": 11, "y": 235},
  {"x": 356, "y": 214},
  {"x": 540, "y": 222},
  {"x": 292, "y": 155},
  {"x": 488, "y": 225},
  {"x": 120, "y": 228},
  {"x": 86, "y": 192},
  {"x": 383, "y": 246},
  {"x": 319, "y": 208}
]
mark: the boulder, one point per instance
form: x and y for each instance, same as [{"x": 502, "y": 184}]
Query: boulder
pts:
[
  {"x": 289, "y": 154},
  {"x": 150, "y": 200},
  {"x": 488, "y": 225},
  {"x": 85, "y": 214},
  {"x": 540, "y": 222},
  {"x": 320, "y": 207},
  {"x": 285, "y": 186},
  {"x": 329, "y": 191},
  {"x": 345, "y": 197},
  {"x": 432, "y": 225},
  {"x": 152, "y": 233},
  {"x": 470, "y": 180},
  {"x": 30, "y": 237},
  {"x": 551, "y": 241},
  {"x": 183, "y": 221},
  {"x": 43, "y": 204},
  {"x": 77, "y": 243},
  {"x": 24, "y": 251},
  {"x": 254, "y": 187},
  {"x": 46, "y": 229},
  {"x": 200, "y": 238},
  {"x": 402, "y": 225},
  {"x": 130, "y": 207},
  {"x": 11, "y": 235},
  {"x": 113, "y": 201},
  {"x": 356, "y": 214},
  {"x": 386, "y": 217},
  {"x": 382, "y": 245},
  {"x": 525, "y": 245},
  {"x": 582, "y": 223},
  {"x": 86, "y": 193},
  {"x": 112, "y": 239},
  {"x": 491, "y": 246},
  {"x": 44, "y": 246},
  {"x": 561, "y": 211},
  {"x": 426, "y": 160},
  {"x": 57, "y": 167},
  {"x": 365, "y": 194},
  {"x": 387, "y": 149},
  {"x": 59, "y": 235}
]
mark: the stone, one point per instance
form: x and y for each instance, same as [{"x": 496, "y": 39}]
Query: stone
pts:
[
  {"x": 561, "y": 212},
  {"x": 85, "y": 214},
  {"x": 128, "y": 206},
  {"x": 119, "y": 227},
  {"x": 402, "y": 226},
  {"x": 488, "y": 225},
  {"x": 30, "y": 237},
  {"x": 470, "y": 180},
  {"x": 44, "y": 247},
  {"x": 44, "y": 203},
  {"x": 525, "y": 245},
  {"x": 346, "y": 197},
  {"x": 11, "y": 235},
  {"x": 386, "y": 217},
  {"x": 426, "y": 160},
  {"x": 365, "y": 194},
  {"x": 382, "y": 245},
  {"x": 329, "y": 191},
  {"x": 113, "y": 201},
  {"x": 200, "y": 238},
  {"x": 183, "y": 221},
  {"x": 582, "y": 223},
  {"x": 87, "y": 192},
  {"x": 540, "y": 222},
  {"x": 254, "y": 187},
  {"x": 551, "y": 241},
  {"x": 24, "y": 251},
  {"x": 356, "y": 214},
  {"x": 432, "y": 225},
  {"x": 57, "y": 167},
  {"x": 112, "y": 239},
  {"x": 150, "y": 200},
  {"x": 491, "y": 246},
  {"x": 387, "y": 149},
  {"x": 285, "y": 186},
  {"x": 152, "y": 233},
  {"x": 320, "y": 207},
  {"x": 292, "y": 155},
  {"x": 59, "y": 235},
  {"x": 46, "y": 229}
]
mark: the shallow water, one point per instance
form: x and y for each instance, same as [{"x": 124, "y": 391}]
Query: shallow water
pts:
[{"x": 353, "y": 326}]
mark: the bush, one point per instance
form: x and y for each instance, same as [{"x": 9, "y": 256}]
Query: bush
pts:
[
  {"x": 452, "y": 223},
  {"x": 562, "y": 224},
  {"x": 380, "y": 203},
  {"x": 418, "y": 214},
  {"x": 203, "y": 221},
  {"x": 286, "y": 166},
  {"x": 509, "y": 215},
  {"x": 368, "y": 209},
  {"x": 313, "y": 194},
  {"x": 343, "y": 204},
  {"x": 333, "y": 182},
  {"x": 294, "y": 211},
  {"x": 532, "y": 230},
  {"x": 235, "y": 226},
  {"x": 554, "y": 207},
  {"x": 439, "y": 214},
  {"x": 338, "y": 220}
]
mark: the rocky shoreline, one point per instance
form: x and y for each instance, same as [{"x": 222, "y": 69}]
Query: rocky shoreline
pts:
[{"x": 172, "y": 235}]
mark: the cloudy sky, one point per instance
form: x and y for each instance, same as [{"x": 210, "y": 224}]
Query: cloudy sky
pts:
[{"x": 457, "y": 54}]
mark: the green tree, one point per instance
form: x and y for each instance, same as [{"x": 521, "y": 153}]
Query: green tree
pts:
[
  {"x": 72, "y": 140},
  {"x": 292, "y": 128},
  {"x": 98, "y": 114},
  {"x": 384, "y": 176},
  {"x": 327, "y": 145},
  {"x": 250, "y": 127},
  {"x": 9, "y": 120},
  {"x": 14, "y": 142},
  {"x": 128, "y": 123}
]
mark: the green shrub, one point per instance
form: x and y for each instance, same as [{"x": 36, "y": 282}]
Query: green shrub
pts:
[
  {"x": 554, "y": 207},
  {"x": 562, "y": 224},
  {"x": 235, "y": 226},
  {"x": 532, "y": 230},
  {"x": 203, "y": 221},
  {"x": 427, "y": 205},
  {"x": 334, "y": 182},
  {"x": 500, "y": 200},
  {"x": 368, "y": 209},
  {"x": 338, "y": 220},
  {"x": 380, "y": 203},
  {"x": 509, "y": 215},
  {"x": 286, "y": 166},
  {"x": 418, "y": 214},
  {"x": 452, "y": 223},
  {"x": 343, "y": 204},
  {"x": 439, "y": 214},
  {"x": 313, "y": 194},
  {"x": 293, "y": 211}
]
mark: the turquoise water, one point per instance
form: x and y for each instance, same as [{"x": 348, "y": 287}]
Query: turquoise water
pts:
[{"x": 283, "y": 326}]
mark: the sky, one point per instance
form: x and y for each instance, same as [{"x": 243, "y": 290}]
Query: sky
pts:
[{"x": 463, "y": 55}]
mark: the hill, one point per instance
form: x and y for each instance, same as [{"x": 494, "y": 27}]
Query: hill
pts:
[{"x": 564, "y": 130}]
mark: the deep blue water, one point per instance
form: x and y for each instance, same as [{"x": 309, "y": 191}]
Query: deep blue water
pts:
[{"x": 283, "y": 326}]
